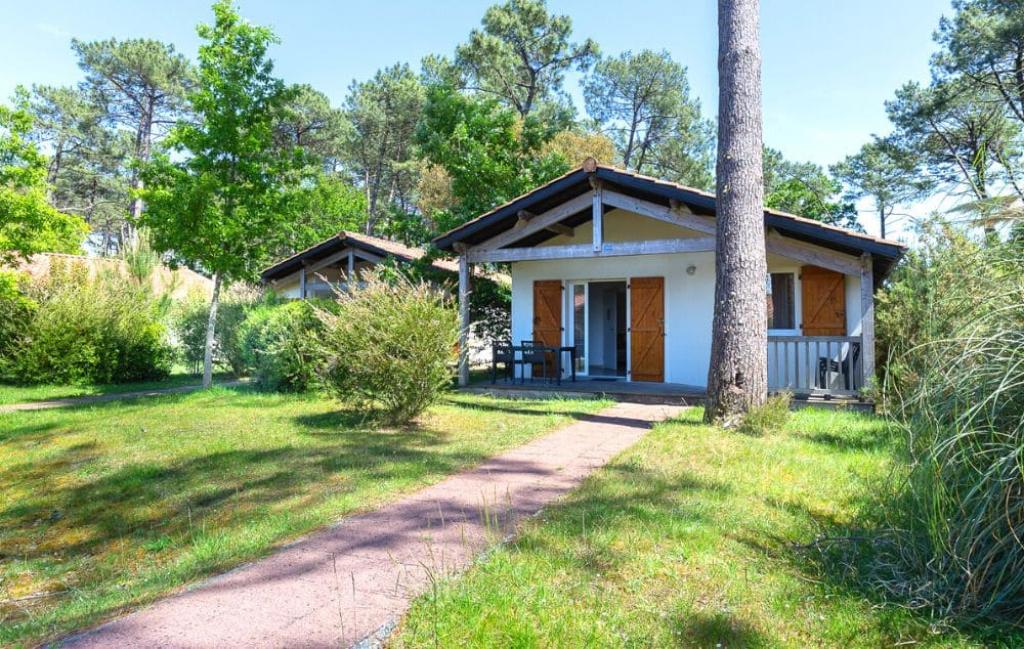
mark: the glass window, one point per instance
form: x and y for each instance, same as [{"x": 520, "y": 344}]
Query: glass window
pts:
[
  {"x": 579, "y": 324},
  {"x": 781, "y": 305}
]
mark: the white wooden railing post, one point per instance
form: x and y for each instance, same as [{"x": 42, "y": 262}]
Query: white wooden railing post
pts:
[{"x": 867, "y": 311}]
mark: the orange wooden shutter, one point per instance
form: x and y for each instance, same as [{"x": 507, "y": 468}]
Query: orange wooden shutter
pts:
[
  {"x": 547, "y": 315},
  {"x": 647, "y": 328},
  {"x": 823, "y": 297}
]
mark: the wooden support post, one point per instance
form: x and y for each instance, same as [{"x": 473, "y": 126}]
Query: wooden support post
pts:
[
  {"x": 867, "y": 315},
  {"x": 350, "y": 274},
  {"x": 598, "y": 222},
  {"x": 463, "y": 316},
  {"x": 302, "y": 282}
]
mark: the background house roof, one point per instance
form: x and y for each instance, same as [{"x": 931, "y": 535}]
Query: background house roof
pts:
[
  {"x": 885, "y": 253},
  {"x": 345, "y": 239}
]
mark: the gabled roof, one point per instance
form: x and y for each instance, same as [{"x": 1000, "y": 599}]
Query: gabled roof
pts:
[
  {"x": 344, "y": 239},
  {"x": 885, "y": 252}
]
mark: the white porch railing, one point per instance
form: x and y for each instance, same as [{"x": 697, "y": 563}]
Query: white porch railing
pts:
[{"x": 823, "y": 365}]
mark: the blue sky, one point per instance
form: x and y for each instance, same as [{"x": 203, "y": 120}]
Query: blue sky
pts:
[{"x": 828, "y": 65}]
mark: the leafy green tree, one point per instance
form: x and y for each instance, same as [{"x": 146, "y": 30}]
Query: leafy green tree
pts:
[
  {"x": 885, "y": 173},
  {"x": 141, "y": 84},
  {"x": 964, "y": 139},
  {"x": 321, "y": 207},
  {"x": 804, "y": 189},
  {"x": 643, "y": 102},
  {"x": 220, "y": 202},
  {"x": 967, "y": 123},
  {"x": 383, "y": 113},
  {"x": 575, "y": 146},
  {"x": 984, "y": 42},
  {"x": 521, "y": 55},
  {"x": 88, "y": 170},
  {"x": 490, "y": 154},
  {"x": 311, "y": 123},
  {"x": 28, "y": 223}
]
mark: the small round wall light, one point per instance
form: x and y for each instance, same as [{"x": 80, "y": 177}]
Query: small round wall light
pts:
[{"x": 691, "y": 269}]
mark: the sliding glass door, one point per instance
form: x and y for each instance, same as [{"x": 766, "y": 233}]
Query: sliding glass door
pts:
[{"x": 578, "y": 314}]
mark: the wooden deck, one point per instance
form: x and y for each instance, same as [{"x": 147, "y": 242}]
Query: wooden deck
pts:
[{"x": 632, "y": 392}]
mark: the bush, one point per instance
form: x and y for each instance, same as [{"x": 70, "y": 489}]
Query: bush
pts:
[
  {"x": 103, "y": 329},
  {"x": 767, "y": 419},
  {"x": 939, "y": 288},
  {"x": 16, "y": 313},
  {"x": 391, "y": 345},
  {"x": 278, "y": 345},
  {"x": 190, "y": 328}
]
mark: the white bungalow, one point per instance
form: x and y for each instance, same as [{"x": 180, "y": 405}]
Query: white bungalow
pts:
[{"x": 620, "y": 268}]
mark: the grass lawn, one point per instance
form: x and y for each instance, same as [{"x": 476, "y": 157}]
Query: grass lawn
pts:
[
  {"x": 105, "y": 507},
  {"x": 689, "y": 540},
  {"x": 25, "y": 393}
]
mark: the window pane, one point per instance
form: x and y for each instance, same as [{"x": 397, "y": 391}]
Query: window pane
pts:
[{"x": 781, "y": 306}]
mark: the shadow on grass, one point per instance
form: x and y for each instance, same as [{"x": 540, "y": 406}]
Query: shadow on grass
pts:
[
  {"x": 628, "y": 495},
  {"x": 76, "y": 519},
  {"x": 716, "y": 629}
]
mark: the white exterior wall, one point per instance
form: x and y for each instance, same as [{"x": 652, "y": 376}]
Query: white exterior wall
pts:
[
  {"x": 689, "y": 302},
  {"x": 689, "y": 299}
]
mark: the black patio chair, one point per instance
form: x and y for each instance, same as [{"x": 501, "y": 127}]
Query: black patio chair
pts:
[
  {"x": 502, "y": 352},
  {"x": 827, "y": 365},
  {"x": 532, "y": 353}
]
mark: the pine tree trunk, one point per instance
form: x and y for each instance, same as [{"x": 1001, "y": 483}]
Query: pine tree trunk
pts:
[
  {"x": 211, "y": 329},
  {"x": 738, "y": 374}
]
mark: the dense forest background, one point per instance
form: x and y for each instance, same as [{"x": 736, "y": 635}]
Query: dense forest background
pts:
[{"x": 421, "y": 147}]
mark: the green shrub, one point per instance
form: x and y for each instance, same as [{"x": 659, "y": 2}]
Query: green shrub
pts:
[
  {"x": 391, "y": 345},
  {"x": 83, "y": 329},
  {"x": 190, "y": 328},
  {"x": 767, "y": 419},
  {"x": 16, "y": 313},
  {"x": 940, "y": 287},
  {"x": 278, "y": 345}
]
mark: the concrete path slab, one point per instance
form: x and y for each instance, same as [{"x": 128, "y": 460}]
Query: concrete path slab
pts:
[{"x": 346, "y": 583}]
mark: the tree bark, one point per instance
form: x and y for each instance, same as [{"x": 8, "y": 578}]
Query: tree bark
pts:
[
  {"x": 738, "y": 374},
  {"x": 211, "y": 328}
]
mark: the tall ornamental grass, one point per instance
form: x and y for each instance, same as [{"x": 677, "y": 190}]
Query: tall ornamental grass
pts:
[{"x": 957, "y": 514}]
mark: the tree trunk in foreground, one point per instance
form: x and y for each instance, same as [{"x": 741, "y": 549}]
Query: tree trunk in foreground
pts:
[
  {"x": 738, "y": 374},
  {"x": 211, "y": 328}
]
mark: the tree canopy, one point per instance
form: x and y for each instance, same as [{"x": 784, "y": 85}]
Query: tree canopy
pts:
[
  {"x": 521, "y": 55},
  {"x": 28, "y": 223},
  {"x": 490, "y": 154},
  {"x": 642, "y": 101}
]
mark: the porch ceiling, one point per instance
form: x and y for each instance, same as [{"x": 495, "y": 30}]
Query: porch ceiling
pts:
[{"x": 884, "y": 253}]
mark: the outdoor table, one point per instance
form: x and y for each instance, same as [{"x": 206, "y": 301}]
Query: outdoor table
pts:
[{"x": 558, "y": 351}]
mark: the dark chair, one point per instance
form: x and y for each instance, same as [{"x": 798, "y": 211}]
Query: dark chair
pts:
[
  {"x": 532, "y": 353},
  {"x": 502, "y": 352},
  {"x": 828, "y": 365}
]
